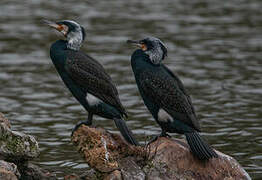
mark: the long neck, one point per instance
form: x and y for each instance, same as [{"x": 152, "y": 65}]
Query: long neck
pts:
[
  {"x": 140, "y": 64},
  {"x": 58, "y": 54},
  {"x": 73, "y": 45},
  {"x": 140, "y": 61}
]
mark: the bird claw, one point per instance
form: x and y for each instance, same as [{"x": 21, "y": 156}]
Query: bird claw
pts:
[
  {"x": 80, "y": 124},
  {"x": 163, "y": 134},
  {"x": 153, "y": 140}
]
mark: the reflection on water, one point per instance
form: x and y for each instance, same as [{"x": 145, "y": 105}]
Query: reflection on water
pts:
[{"x": 214, "y": 46}]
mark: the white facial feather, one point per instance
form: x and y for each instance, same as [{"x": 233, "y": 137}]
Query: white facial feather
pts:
[
  {"x": 75, "y": 38},
  {"x": 155, "y": 55}
]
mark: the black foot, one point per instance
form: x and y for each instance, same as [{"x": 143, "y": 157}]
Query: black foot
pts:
[
  {"x": 153, "y": 140},
  {"x": 79, "y": 124},
  {"x": 163, "y": 134}
]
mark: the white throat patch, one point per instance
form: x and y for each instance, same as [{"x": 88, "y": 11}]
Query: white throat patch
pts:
[
  {"x": 92, "y": 100},
  {"x": 155, "y": 55},
  {"x": 75, "y": 40}
]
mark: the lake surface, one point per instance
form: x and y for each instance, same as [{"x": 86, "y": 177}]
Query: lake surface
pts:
[{"x": 214, "y": 46}]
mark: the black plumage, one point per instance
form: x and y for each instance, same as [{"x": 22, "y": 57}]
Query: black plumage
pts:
[
  {"x": 166, "y": 91},
  {"x": 88, "y": 74},
  {"x": 86, "y": 78},
  {"x": 165, "y": 96}
]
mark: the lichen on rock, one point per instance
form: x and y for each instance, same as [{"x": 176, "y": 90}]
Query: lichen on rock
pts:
[{"x": 16, "y": 146}]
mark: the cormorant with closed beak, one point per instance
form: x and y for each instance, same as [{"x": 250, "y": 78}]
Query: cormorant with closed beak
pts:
[
  {"x": 165, "y": 96},
  {"x": 86, "y": 78}
]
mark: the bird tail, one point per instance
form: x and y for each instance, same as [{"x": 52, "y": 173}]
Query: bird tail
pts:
[
  {"x": 125, "y": 131},
  {"x": 199, "y": 147}
]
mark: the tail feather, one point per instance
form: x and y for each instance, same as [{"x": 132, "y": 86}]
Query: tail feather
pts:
[
  {"x": 199, "y": 147},
  {"x": 125, "y": 131},
  {"x": 193, "y": 148},
  {"x": 206, "y": 152}
]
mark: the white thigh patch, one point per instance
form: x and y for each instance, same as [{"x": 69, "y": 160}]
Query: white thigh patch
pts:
[
  {"x": 163, "y": 116},
  {"x": 92, "y": 100}
]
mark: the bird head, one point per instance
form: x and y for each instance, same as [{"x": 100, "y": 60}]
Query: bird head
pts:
[
  {"x": 74, "y": 33},
  {"x": 153, "y": 47}
]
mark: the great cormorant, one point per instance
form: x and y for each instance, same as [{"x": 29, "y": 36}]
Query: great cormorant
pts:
[
  {"x": 165, "y": 96},
  {"x": 86, "y": 78}
]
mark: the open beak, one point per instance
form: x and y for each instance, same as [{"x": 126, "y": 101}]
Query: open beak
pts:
[
  {"x": 61, "y": 28},
  {"x": 136, "y": 43}
]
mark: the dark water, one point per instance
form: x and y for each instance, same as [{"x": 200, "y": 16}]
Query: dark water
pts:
[{"x": 214, "y": 46}]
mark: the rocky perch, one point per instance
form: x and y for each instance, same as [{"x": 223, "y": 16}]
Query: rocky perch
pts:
[
  {"x": 111, "y": 158},
  {"x": 16, "y": 150}
]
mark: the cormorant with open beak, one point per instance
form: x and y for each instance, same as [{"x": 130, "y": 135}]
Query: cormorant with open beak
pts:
[
  {"x": 165, "y": 96},
  {"x": 86, "y": 78}
]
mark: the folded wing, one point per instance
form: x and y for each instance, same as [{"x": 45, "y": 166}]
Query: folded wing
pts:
[
  {"x": 167, "y": 91},
  {"x": 88, "y": 74}
]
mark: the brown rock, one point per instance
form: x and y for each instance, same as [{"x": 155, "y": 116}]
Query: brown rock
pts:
[
  {"x": 11, "y": 167},
  {"x": 8, "y": 171},
  {"x": 102, "y": 150},
  {"x": 30, "y": 171},
  {"x": 89, "y": 174},
  {"x": 115, "y": 175},
  {"x": 130, "y": 169},
  {"x": 163, "y": 159},
  {"x": 72, "y": 177},
  {"x": 7, "y": 175},
  {"x": 172, "y": 159}
]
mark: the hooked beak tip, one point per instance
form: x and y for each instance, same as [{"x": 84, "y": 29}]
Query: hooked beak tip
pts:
[
  {"x": 136, "y": 43},
  {"x": 50, "y": 23},
  {"x": 132, "y": 42}
]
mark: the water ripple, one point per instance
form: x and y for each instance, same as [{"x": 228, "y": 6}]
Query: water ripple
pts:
[{"x": 214, "y": 47}]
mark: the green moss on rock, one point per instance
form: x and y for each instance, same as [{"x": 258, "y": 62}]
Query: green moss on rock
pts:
[{"x": 17, "y": 146}]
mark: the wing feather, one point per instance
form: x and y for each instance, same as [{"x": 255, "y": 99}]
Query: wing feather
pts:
[
  {"x": 168, "y": 93},
  {"x": 92, "y": 78}
]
